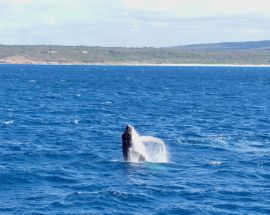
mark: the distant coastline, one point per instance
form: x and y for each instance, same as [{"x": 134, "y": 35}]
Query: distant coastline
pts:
[
  {"x": 221, "y": 54},
  {"x": 142, "y": 64}
]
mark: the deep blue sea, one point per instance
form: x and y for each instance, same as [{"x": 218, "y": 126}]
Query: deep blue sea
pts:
[{"x": 60, "y": 139}]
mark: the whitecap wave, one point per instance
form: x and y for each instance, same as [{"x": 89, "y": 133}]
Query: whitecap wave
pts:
[
  {"x": 215, "y": 163},
  {"x": 9, "y": 122},
  {"x": 76, "y": 121}
]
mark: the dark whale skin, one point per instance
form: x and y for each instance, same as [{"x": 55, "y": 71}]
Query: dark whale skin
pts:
[{"x": 127, "y": 144}]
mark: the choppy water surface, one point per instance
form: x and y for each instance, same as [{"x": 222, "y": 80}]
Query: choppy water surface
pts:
[{"x": 60, "y": 140}]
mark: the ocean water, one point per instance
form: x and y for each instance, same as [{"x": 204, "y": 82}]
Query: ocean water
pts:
[{"x": 60, "y": 140}]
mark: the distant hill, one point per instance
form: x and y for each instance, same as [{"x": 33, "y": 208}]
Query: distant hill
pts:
[
  {"x": 257, "y": 52},
  {"x": 232, "y": 46}
]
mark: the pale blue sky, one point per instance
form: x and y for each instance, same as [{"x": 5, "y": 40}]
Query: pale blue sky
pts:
[{"x": 132, "y": 22}]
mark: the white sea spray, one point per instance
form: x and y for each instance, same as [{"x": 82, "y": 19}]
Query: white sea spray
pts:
[{"x": 152, "y": 148}]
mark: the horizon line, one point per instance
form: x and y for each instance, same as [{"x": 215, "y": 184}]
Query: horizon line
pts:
[{"x": 157, "y": 47}]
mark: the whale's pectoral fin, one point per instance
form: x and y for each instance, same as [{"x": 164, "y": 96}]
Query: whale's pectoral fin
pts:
[
  {"x": 140, "y": 157},
  {"x": 151, "y": 139}
]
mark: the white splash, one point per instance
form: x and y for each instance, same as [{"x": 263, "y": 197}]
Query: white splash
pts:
[{"x": 153, "y": 149}]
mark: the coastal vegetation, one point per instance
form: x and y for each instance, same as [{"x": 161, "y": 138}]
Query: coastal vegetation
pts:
[{"x": 219, "y": 53}]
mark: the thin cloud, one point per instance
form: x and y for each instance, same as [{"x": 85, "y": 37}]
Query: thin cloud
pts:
[{"x": 132, "y": 23}]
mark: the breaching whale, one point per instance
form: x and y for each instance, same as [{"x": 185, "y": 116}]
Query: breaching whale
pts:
[
  {"x": 134, "y": 150},
  {"x": 128, "y": 147}
]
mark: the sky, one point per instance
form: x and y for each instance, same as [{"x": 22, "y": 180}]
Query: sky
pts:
[{"x": 132, "y": 23}]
